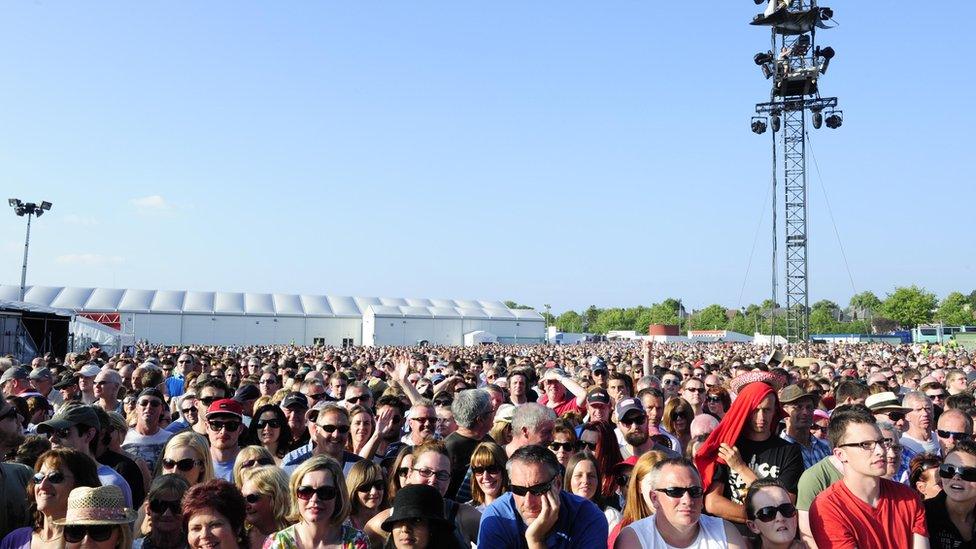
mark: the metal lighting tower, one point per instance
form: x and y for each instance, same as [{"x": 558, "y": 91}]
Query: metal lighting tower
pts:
[
  {"x": 794, "y": 63},
  {"x": 29, "y": 209}
]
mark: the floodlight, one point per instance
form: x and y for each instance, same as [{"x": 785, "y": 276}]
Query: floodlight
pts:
[
  {"x": 835, "y": 119},
  {"x": 14, "y": 202},
  {"x": 46, "y": 205},
  {"x": 817, "y": 119},
  {"x": 758, "y": 1},
  {"x": 826, "y": 14},
  {"x": 758, "y": 125},
  {"x": 767, "y": 70},
  {"x": 763, "y": 57},
  {"x": 775, "y": 120},
  {"x": 827, "y": 54}
]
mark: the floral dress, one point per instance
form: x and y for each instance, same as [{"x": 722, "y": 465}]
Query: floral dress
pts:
[{"x": 286, "y": 539}]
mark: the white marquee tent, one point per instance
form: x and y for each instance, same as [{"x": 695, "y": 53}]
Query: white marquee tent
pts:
[{"x": 236, "y": 318}]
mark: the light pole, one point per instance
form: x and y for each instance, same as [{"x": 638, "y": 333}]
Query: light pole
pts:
[{"x": 29, "y": 209}]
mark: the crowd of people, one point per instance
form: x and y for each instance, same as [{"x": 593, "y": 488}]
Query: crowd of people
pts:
[{"x": 620, "y": 444}]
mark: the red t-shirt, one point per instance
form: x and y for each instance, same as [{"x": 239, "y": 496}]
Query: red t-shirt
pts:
[
  {"x": 838, "y": 518},
  {"x": 568, "y": 405}
]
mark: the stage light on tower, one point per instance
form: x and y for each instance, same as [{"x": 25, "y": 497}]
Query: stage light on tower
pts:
[
  {"x": 758, "y": 125},
  {"x": 834, "y": 119},
  {"x": 29, "y": 209}
]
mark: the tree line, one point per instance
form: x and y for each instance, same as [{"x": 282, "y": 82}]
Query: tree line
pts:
[{"x": 904, "y": 308}]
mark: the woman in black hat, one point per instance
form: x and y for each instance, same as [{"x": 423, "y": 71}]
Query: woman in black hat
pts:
[{"x": 417, "y": 521}]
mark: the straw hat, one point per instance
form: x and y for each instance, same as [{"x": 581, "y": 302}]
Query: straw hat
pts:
[{"x": 99, "y": 505}]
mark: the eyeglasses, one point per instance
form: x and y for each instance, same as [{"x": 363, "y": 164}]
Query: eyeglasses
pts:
[
  {"x": 679, "y": 415},
  {"x": 670, "y": 382},
  {"x": 954, "y": 435},
  {"x": 442, "y": 476},
  {"x": 490, "y": 469},
  {"x": 868, "y": 445},
  {"x": 267, "y": 382},
  {"x": 207, "y": 401},
  {"x": 937, "y": 396},
  {"x": 896, "y": 416},
  {"x": 424, "y": 419},
  {"x": 59, "y": 433},
  {"x": 677, "y": 492},
  {"x": 253, "y": 498},
  {"x": 319, "y": 396},
  {"x": 54, "y": 477},
  {"x": 443, "y": 402},
  {"x": 557, "y": 446},
  {"x": 97, "y": 532},
  {"x": 698, "y": 390},
  {"x": 377, "y": 484},
  {"x": 353, "y": 399},
  {"x": 622, "y": 480},
  {"x": 537, "y": 490},
  {"x": 325, "y": 493},
  {"x": 273, "y": 423},
  {"x": 161, "y": 505},
  {"x": 150, "y": 402},
  {"x": 342, "y": 429},
  {"x": 403, "y": 471},
  {"x": 965, "y": 473},
  {"x": 229, "y": 426},
  {"x": 634, "y": 420},
  {"x": 768, "y": 514},
  {"x": 256, "y": 462},
  {"x": 190, "y": 410},
  {"x": 183, "y": 464},
  {"x": 591, "y": 446},
  {"x": 816, "y": 427}
]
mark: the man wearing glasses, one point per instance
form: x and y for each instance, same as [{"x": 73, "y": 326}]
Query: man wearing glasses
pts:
[
  {"x": 107, "y": 384},
  {"x": 328, "y": 428},
  {"x": 677, "y": 520},
  {"x": 225, "y": 423},
  {"x": 536, "y": 513},
  {"x": 147, "y": 439},
  {"x": 184, "y": 365},
  {"x": 954, "y": 425},
  {"x": 863, "y": 509},
  {"x": 693, "y": 391}
]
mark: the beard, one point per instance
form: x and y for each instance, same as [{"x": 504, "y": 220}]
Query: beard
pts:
[{"x": 637, "y": 438}]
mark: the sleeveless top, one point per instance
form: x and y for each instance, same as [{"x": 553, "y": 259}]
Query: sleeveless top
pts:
[{"x": 711, "y": 534}]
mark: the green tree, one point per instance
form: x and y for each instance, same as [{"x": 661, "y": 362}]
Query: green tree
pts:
[
  {"x": 823, "y": 320},
  {"x": 570, "y": 322},
  {"x": 665, "y": 312},
  {"x": 590, "y": 317},
  {"x": 610, "y": 319},
  {"x": 955, "y": 310},
  {"x": 513, "y": 305},
  {"x": 909, "y": 306},
  {"x": 768, "y": 304},
  {"x": 865, "y": 301},
  {"x": 712, "y": 317}
]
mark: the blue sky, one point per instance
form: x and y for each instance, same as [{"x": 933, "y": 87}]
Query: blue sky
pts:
[{"x": 570, "y": 153}]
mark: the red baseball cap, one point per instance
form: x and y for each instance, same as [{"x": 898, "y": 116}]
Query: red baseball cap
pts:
[{"x": 225, "y": 406}]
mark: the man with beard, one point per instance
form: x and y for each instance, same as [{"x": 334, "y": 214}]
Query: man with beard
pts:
[
  {"x": 555, "y": 383},
  {"x": 799, "y": 405},
  {"x": 13, "y": 476},
  {"x": 632, "y": 425}
]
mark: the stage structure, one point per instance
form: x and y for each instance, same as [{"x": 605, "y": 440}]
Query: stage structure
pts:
[{"x": 794, "y": 63}]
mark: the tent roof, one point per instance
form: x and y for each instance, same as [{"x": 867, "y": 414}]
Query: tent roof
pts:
[{"x": 105, "y": 300}]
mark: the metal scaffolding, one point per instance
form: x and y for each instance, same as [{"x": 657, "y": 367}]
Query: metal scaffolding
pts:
[{"x": 794, "y": 63}]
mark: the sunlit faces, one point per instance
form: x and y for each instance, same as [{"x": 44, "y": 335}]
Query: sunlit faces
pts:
[
  {"x": 955, "y": 487},
  {"x": 680, "y": 512},
  {"x": 654, "y": 408},
  {"x": 761, "y": 420},
  {"x": 317, "y": 509},
  {"x": 694, "y": 393},
  {"x": 371, "y": 495},
  {"x": 920, "y": 415},
  {"x": 583, "y": 481},
  {"x": 598, "y": 411},
  {"x": 91, "y": 537},
  {"x": 489, "y": 479},
  {"x": 866, "y": 462},
  {"x": 779, "y": 530},
  {"x": 51, "y": 493},
  {"x": 532, "y": 475},
  {"x": 208, "y": 529},
  {"x": 432, "y": 469},
  {"x": 176, "y": 460},
  {"x": 800, "y": 412},
  {"x": 224, "y": 430},
  {"x": 258, "y": 505},
  {"x": 516, "y": 384},
  {"x": 268, "y": 428},
  {"x": 893, "y": 455},
  {"x": 617, "y": 388},
  {"x": 164, "y": 511},
  {"x": 149, "y": 409},
  {"x": 331, "y": 431},
  {"x": 564, "y": 446},
  {"x": 634, "y": 428},
  {"x": 555, "y": 390},
  {"x": 670, "y": 384}
]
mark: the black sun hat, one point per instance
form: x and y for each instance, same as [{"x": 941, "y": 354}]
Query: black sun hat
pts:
[{"x": 417, "y": 501}]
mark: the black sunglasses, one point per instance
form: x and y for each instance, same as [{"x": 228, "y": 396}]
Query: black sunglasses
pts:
[
  {"x": 259, "y": 461},
  {"x": 207, "y": 401},
  {"x": 768, "y": 514},
  {"x": 954, "y": 434},
  {"x": 343, "y": 429},
  {"x": 591, "y": 446},
  {"x": 443, "y": 402},
  {"x": 713, "y": 399},
  {"x": 97, "y": 532},
  {"x": 949, "y": 471},
  {"x": 537, "y": 490},
  {"x": 252, "y": 498},
  {"x": 557, "y": 446},
  {"x": 229, "y": 426},
  {"x": 490, "y": 469},
  {"x": 365, "y": 488},
  {"x": 273, "y": 423},
  {"x": 896, "y": 416},
  {"x": 161, "y": 505},
  {"x": 622, "y": 480},
  {"x": 183, "y": 464},
  {"x": 54, "y": 477},
  {"x": 676, "y": 492},
  {"x": 324, "y": 493},
  {"x": 634, "y": 420}
]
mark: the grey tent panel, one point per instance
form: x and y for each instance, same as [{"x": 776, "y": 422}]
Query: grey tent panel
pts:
[
  {"x": 167, "y": 301},
  {"x": 9, "y": 293},
  {"x": 42, "y": 295},
  {"x": 104, "y": 300},
  {"x": 394, "y": 302},
  {"x": 363, "y": 302},
  {"x": 317, "y": 305},
  {"x": 344, "y": 306},
  {"x": 288, "y": 305},
  {"x": 138, "y": 301},
  {"x": 259, "y": 304},
  {"x": 414, "y": 302},
  {"x": 199, "y": 302},
  {"x": 228, "y": 303},
  {"x": 72, "y": 298},
  {"x": 444, "y": 312}
]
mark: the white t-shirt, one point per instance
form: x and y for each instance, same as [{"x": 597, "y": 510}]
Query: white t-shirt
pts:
[
  {"x": 148, "y": 447},
  {"x": 930, "y": 446},
  {"x": 711, "y": 534}
]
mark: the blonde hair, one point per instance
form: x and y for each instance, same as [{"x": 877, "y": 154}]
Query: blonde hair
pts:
[
  {"x": 485, "y": 454},
  {"x": 321, "y": 463},
  {"x": 246, "y": 453},
  {"x": 273, "y": 482},
  {"x": 501, "y": 432},
  {"x": 636, "y": 508},
  {"x": 195, "y": 442},
  {"x": 362, "y": 472}
]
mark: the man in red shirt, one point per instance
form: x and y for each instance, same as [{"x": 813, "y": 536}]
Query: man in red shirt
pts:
[
  {"x": 562, "y": 393},
  {"x": 863, "y": 509}
]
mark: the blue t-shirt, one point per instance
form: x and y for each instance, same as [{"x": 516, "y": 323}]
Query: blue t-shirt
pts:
[
  {"x": 300, "y": 455},
  {"x": 174, "y": 386},
  {"x": 224, "y": 469},
  {"x": 580, "y": 524}
]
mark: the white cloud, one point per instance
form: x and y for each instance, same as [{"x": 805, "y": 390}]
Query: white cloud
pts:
[
  {"x": 13, "y": 246},
  {"x": 81, "y": 220},
  {"x": 151, "y": 203},
  {"x": 90, "y": 260}
]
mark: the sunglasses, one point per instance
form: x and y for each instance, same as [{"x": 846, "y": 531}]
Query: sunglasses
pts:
[
  {"x": 183, "y": 464},
  {"x": 698, "y": 390},
  {"x": 403, "y": 471},
  {"x": 713, "y": 399},
  {"x": 273, "y": 423},
  {"x": 966, "y": 473},
  {"x": 591, "y": 446},
  {"x": 161, "y": 505},
  {"x": 896, "y": 416},
  {"x": 59, "y": 433},
  {"x": 150, "y": 403},
  {"x": 622, "y": 480},
  {"x": 768, "y": 514},
  {"x": 319, "y": 396},
  {"x": 207, "y": 401},
  {"x": 557, "y": 446},
  {"x": 816, "y": 427},
  {"x": 634, "y": 420},
  {"x": 677, "y": 493},
  {"x": 188, "y": 411},
  {"x": 490, "y": 469},
  {"x": 54, "y": 477},
  {"x": 97, "y": 532},
  {"x": 259, "y": 461},
  {"x": 537, "y": 490},
  {"x": 424, "y": 419},
  {"x": 253, "y": 498},
  {"x": 939, "y": 396},
  {"x": 229, "y": 426},
  {"x": 325, "y": 493},
  {"x": 955, "y": 435},
  {"x": 377, "y": 484},
  {"x": 442, "y": 476},
  {"x": 443, "y": 402},
  {"x": 343, "y": 429},
  {"x": 355, "y": 399}
]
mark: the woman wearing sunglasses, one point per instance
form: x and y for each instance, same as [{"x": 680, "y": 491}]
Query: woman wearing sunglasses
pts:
[
  {"x": 188, "y": 455},
  {"x": 677, "y": 421},
  {"x": 583, "y": 478},
  {"x": 600, "y": 439},
  {"x": 214, "y": 512},
  {"x": 248, "y": 458},
  {"x": 367, "y": 493},
  {"x": 950, "y": 515},
  {"x": 564, "y": 442},
  {"x": 717, "y": 401},
  {"x": 270, "y": 429},
  {"x": 399, "y": 472},
  {"x": 162, "y": 507},
  {"x": 489, "y": 480},
  {"x": 97, "y": 519},
  {"x": 57, "y": 473},
  {"x": 322, "y": 504},
  {"x": 638, "y": 493},
  {"x": 268, "y": 503},
  {"x": 771, "y": 515}
]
